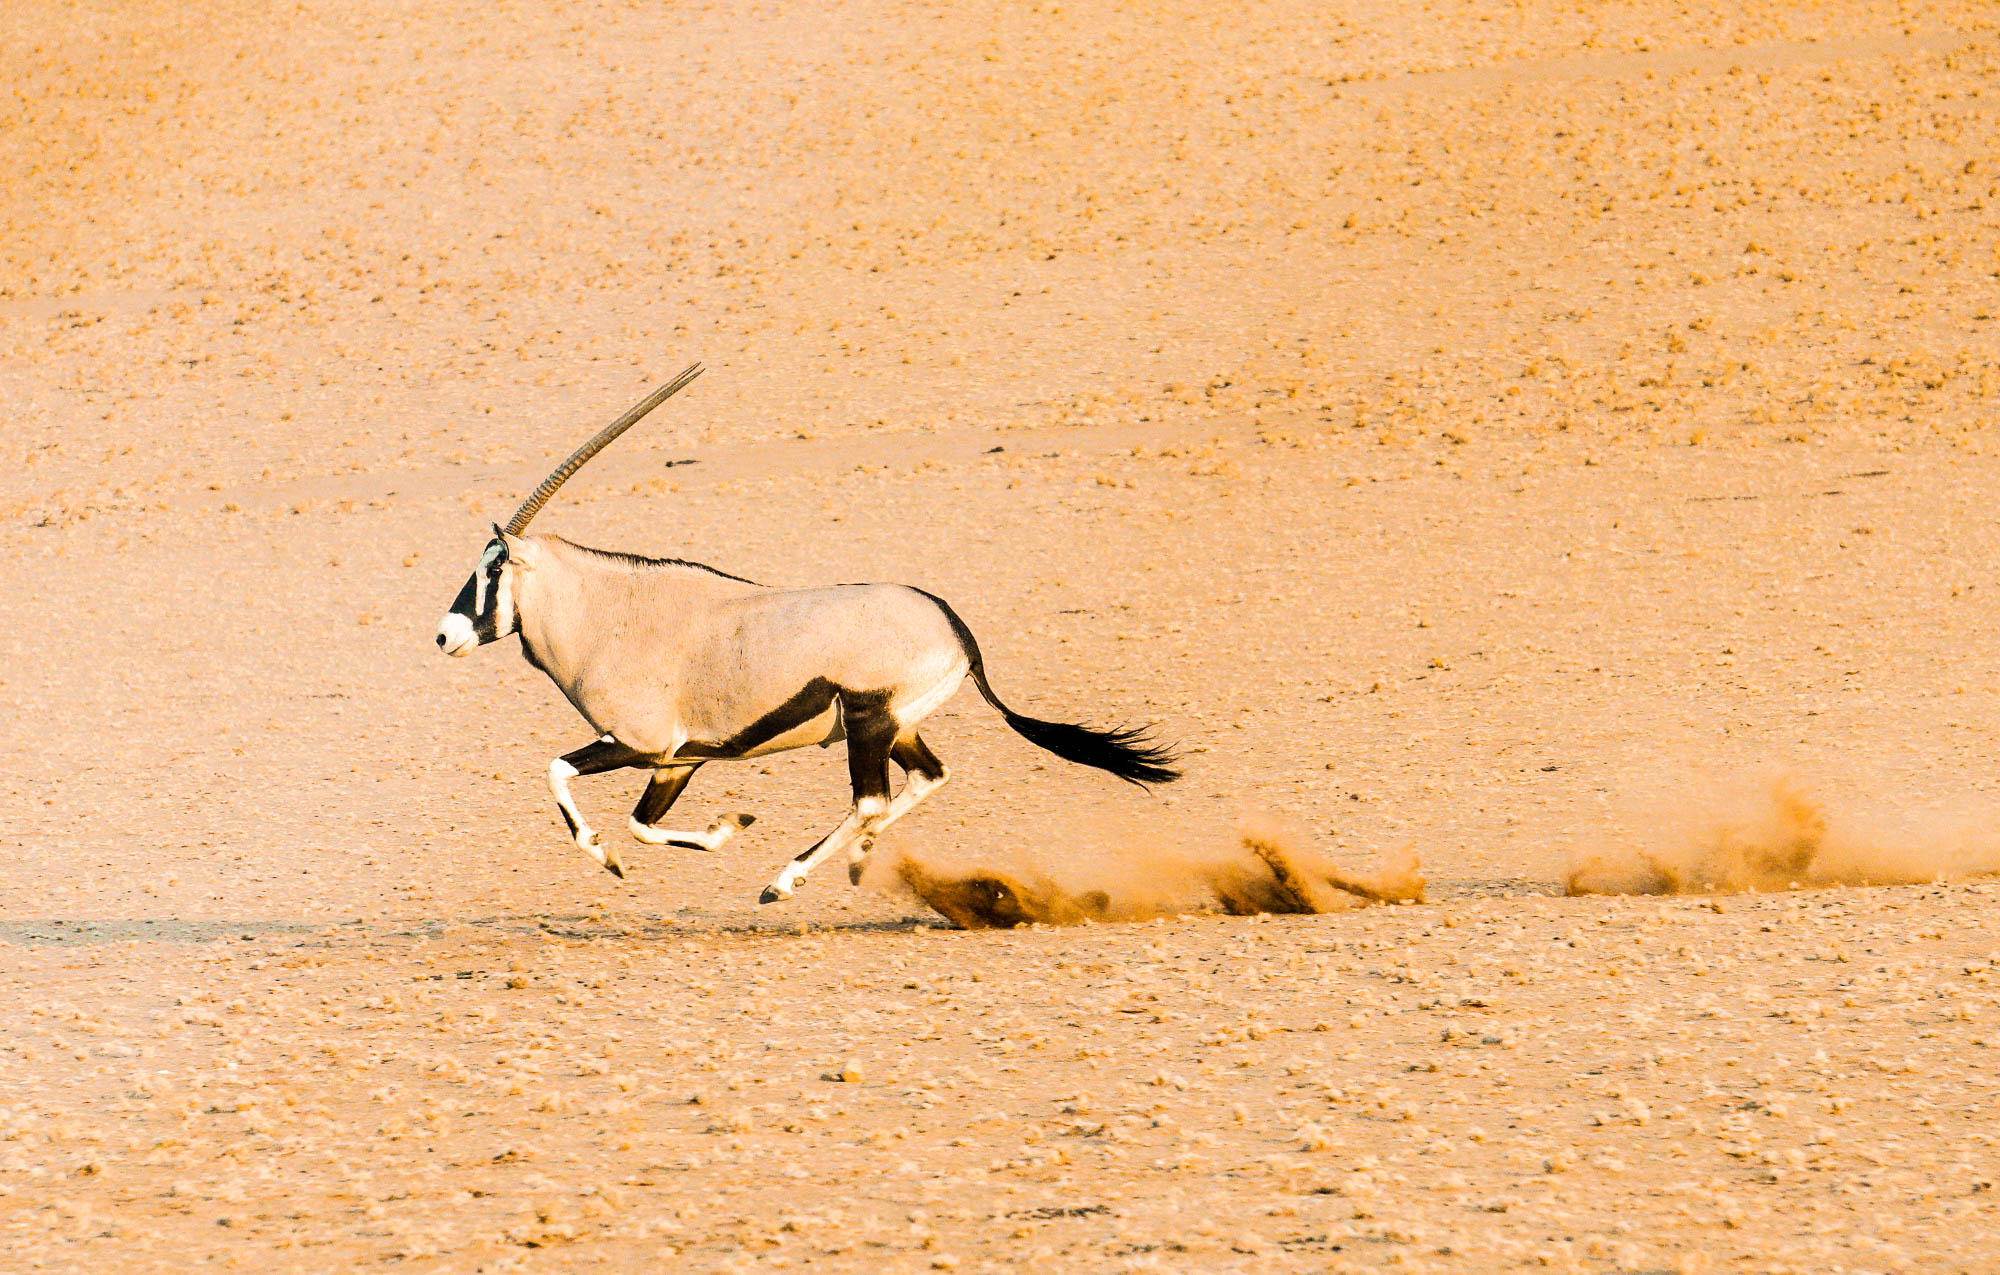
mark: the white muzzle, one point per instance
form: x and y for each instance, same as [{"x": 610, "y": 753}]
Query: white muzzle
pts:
[{"x": 455, "y": 635}]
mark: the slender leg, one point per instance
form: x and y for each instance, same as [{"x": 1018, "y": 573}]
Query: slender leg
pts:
[
  {"x": 925, "y": 774},
  {"x": 592, "y": 759},
  {"x": 871, "y": 733},
  {"x": 666, "y": 785}
]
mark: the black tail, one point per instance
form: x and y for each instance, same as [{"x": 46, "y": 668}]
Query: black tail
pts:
[{"x": 1129, "y": 753}]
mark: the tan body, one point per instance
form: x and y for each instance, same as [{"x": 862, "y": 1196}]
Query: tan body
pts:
[
  {"x": 675, "y": 665},
  {"x": 674, "y": 660}
]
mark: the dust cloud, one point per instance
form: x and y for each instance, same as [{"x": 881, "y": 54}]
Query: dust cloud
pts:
[
  {"x": 1776, "y": 834},
  {"x": 1269, "y": 867}
]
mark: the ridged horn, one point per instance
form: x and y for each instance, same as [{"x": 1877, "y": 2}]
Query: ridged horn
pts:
[{"x": 533, "y": 504}]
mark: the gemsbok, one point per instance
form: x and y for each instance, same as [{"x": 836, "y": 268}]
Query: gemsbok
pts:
[{"x": 675, "y": 664}]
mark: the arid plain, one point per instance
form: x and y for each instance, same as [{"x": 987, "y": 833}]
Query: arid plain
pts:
[{"x": 1543, "y": 438}]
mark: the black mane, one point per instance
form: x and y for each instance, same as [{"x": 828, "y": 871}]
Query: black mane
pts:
[{"x": 636, "y": 560}]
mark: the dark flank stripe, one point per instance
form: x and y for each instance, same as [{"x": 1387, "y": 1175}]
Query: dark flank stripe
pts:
[{"x": 809, "y": 702}]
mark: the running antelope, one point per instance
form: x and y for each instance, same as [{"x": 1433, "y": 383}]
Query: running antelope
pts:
[{"x": 675, "y": 664}]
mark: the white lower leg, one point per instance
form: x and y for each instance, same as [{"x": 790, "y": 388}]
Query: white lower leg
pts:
[
  {"x": 711, "y": 839},
  {"x": 560, "y": 773},
  {"x": 918, "y": 788},
  {"x": 913, "y": 792},
  {"x": 860, "y": 824}
]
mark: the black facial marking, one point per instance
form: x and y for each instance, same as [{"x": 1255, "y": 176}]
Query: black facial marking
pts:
[
  {"x": 485, "y": 619},
  {"x": 462, "y": 604}
]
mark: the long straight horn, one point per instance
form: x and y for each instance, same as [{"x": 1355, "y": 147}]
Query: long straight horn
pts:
[{"x": 533, "y": 504}]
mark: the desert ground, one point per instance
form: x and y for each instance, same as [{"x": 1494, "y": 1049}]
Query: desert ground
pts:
[{"x": 1553, "y": 443}]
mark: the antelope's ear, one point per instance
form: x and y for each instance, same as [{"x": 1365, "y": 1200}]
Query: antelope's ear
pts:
[{"x": 522, "y": 553}]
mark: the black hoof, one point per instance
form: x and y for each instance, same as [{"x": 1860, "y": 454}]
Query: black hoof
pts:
[{"x": 769, "y": 896}]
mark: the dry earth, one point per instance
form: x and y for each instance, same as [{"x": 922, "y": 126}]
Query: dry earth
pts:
[{"x": 1477, "y": 428}]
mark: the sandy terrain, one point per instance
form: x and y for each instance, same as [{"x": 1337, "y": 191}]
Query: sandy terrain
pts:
[{"x": 1544, "y": 438}]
